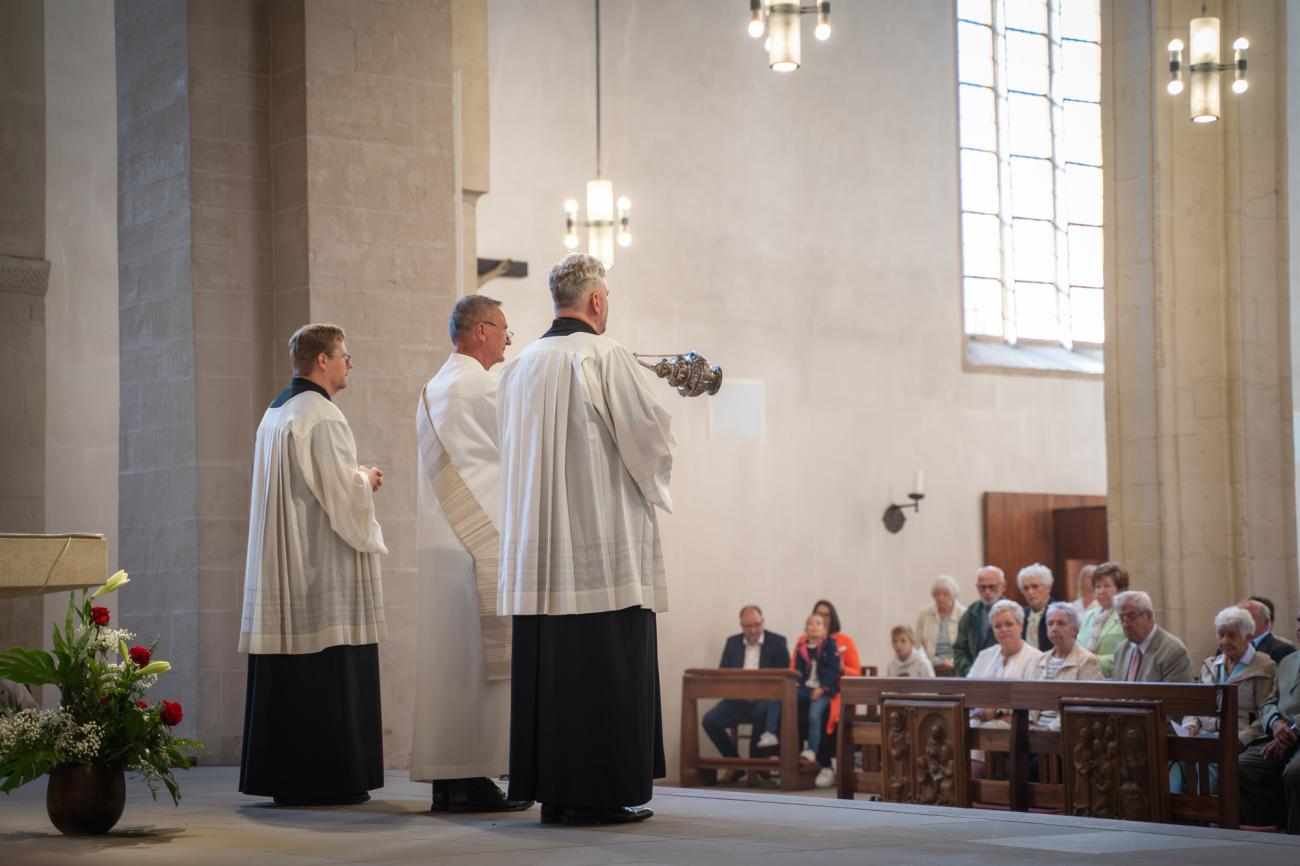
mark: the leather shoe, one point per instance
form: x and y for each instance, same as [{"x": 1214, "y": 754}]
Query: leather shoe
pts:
[
  {"x": 580, "y": 815},
  {"x": 473, "y": 795}
]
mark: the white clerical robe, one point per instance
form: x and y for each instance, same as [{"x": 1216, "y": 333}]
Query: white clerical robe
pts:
[
  {"x": 311, "y": 579},
  {"x": 462, "y": 719},
  {"x": 586, "y": 453}
]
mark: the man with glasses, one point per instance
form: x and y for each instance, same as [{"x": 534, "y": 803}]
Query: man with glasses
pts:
[
  {"x": 462, "y": 663},
  {"x": 1148, "y": 653},
  {"x": 974, "y": 632},
  {"x": 752, "y": 649},
  {"x": 313, "y": 606}
]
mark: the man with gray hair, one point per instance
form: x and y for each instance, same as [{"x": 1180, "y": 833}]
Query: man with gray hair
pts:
[
  {"x": 1261, "y": 611},
  {"x": 462, "y": 646},
  {"x": 974, "y": 630},
  {"x": 586, "y": 453},
  {"x": 1148, "y": 653}
]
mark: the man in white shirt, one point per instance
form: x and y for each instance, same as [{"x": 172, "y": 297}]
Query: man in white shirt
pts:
[
  {"x": 462, "y": 663},
  {"x": 586, "y": 454},
  {"x": 313, "y": 606},
  {"x": 754, "y": 648}
]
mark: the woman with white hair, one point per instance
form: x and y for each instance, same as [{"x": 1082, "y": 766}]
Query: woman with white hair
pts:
[
  {"x": 936, "y": 627},
  {"x": 1010, "y": 658},
  {"x": 1066, "y": 661},
  {"x": 1035, "y": 582},
  {"x": 1237, "y": 662}
]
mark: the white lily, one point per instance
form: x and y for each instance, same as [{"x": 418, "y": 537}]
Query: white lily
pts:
[
  {"x": 155, "y": 668},
  {"x": 113, "y": 584}
]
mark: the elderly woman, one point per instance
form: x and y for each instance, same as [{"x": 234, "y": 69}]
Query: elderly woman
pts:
[
  {"x": 936, "y": 627},
  {"x": 1087, "y": 599},
  {"x": 1101, "y": 631},
  {"x": 1035, "y": 582},
  {"x": 1066, "y": 661},
  {"x": 1237, "y": 662},
  {"x": 1010, "y": 658}
]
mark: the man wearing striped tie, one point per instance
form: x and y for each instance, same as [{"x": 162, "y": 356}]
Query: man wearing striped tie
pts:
[{"x": 1148, "y": 653}]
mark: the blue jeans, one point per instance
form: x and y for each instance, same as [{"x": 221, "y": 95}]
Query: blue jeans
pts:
[
  {"x": 812, "y": 719},
  {"x": 764, "y": 716}
]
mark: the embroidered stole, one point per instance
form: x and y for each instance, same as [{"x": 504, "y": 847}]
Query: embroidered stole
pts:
[{"x": 476, "y": 531}]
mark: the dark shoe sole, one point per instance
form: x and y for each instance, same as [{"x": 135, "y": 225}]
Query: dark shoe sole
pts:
[{"x": 584, "y": 818}]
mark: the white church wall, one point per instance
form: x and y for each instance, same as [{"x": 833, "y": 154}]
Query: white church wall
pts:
[
  {"x": 800, "y": 230},
  {"x": 81, "y": 423}
]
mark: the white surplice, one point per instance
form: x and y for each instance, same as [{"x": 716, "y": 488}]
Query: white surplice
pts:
[
  {"x": 311, "y": 580},
  {"x": 586, "y": 454},
  {"x": 462, "y": 719}
]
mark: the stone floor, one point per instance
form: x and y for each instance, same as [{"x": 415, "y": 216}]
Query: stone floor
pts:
[{"x": 217, "y": 826}]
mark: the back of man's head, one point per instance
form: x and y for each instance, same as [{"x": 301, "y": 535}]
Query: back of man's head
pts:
[
  {"x": 572, "y": 278},
  {"x": 468, "y": 312}
]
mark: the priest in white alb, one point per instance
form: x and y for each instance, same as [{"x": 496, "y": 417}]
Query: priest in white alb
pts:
[
  {"x": 313, "y": 608},
  {"x": 586, "y": 453},
  {"x": 462, "y": 663}
]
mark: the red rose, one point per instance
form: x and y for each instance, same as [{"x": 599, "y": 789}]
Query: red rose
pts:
[
  {"x": 99, "y": 615},
  {"x": 103, "y": 699},
  {"x": 142, "y": 705},
  {"x": 140, "y": 656},
  {"x": 171, "y": 713}
]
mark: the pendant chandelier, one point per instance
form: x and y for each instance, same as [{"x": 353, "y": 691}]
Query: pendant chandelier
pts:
[
  {"x": 607, "y": 220},
  {"x": 779, "y": 19},
  {"x": 1204, "y": 67}
]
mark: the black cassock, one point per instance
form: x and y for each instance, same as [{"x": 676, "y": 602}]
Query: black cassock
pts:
[
  {"x": 586, "y": 725},
  {"x": 312, "y": 725}
]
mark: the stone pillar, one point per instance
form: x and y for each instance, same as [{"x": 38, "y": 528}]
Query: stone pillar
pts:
[
  {"x": 24, "y": 277},
  {"x": 281, "y": 162},
  {"x": 1198, "y": 380}
]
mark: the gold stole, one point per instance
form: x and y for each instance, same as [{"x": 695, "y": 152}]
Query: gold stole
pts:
[{"x": 477, "y": 532}]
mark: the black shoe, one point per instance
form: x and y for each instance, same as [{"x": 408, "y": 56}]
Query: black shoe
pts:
[
  {"x": 345, "y": 800},
  {"x": 473, "y": 795},
  {"x": 581, "y": 815}
]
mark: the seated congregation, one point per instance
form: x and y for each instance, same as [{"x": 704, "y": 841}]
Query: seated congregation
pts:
[{"x": 1110, "y": 634}]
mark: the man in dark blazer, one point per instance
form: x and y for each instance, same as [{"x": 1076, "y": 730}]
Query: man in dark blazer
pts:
[
  {"x": 753, "y": 648},
  {"x": 974, "y": 632},
  {"x": 1261, "y": 610},
  {"x": 1269, "y": 769}
]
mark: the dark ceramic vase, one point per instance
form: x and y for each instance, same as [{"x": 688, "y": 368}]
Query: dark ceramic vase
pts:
[{"x": 85, "y": 800}]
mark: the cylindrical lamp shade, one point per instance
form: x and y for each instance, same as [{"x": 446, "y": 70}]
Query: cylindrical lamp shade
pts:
[
  {"x": 600, "y": 201},
  {"x": 783, "y": 37},
  {"x": 1205, "y": 96},
  {"x": 1205, "y": 41},
  {"x": 600, "y": 243}
]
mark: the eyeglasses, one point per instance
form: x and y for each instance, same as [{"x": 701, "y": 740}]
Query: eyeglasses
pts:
[
  {"x": 346, "y": 356},
  {"x": 510, "y": 335},
  {"x": 986, "y": 587},
  {"x": 1132, "y": 617}
]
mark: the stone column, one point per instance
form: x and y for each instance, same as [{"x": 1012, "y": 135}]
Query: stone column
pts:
[
  {"x": 24, "y": 277},
  {"x": 1198, "y": 380},
  {"x": 281, "y": 162}
]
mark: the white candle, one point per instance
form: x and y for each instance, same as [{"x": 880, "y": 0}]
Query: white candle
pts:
[{"x": 917, "y": 478}]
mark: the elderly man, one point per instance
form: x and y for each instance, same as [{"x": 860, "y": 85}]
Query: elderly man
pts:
[
  {"x": 1035, "y": 582},
  {"x": 1148, "y": 653},
  {"x": 974, "y": 632},
  {"x": 586, "y": 453},
  {"x": 752, "y": 649},
  {"x": 313, "y": 607},
  {"x": 1269, "y": 769},
  {"x": 462, "y": 646},
  {"x": 1261, "y": 611},
  {"x": 1066, "y": 661}
]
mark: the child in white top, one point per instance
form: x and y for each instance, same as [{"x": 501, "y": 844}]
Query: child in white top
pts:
[{"x": 909, "y": 659}]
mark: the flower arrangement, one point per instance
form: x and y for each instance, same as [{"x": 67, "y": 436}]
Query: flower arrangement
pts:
[{"x": 103, "y": 717}]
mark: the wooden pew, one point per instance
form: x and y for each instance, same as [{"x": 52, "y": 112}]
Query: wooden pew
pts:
[
  {"x": 1099, "y": 713},
  {"x": 757, "y": 685}
]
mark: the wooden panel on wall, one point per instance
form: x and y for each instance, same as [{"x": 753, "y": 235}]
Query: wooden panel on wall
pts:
[{"x": 1021, "y": 528}]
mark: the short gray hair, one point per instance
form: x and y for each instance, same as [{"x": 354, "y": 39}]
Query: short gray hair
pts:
[
  {"x": 1007, "y": 604},
  {"x": 572, "y": 277},
  {"x": 1071, "y": 614},
  {"x": 1002, "y": 576},
  {"x": 1137, "y": 598},
  {"x": 1038, "y": 570},
  {"x": 468, "y": 312},
  {"x": 1237, "y": 616},
  {"x": 946, "y": 582}
]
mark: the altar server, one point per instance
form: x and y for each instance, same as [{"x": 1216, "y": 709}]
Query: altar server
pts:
[
  {"x": 586, "y": 452},
  {"x": 313, "y": 607},
  {"x": 462, "y": 663}
]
